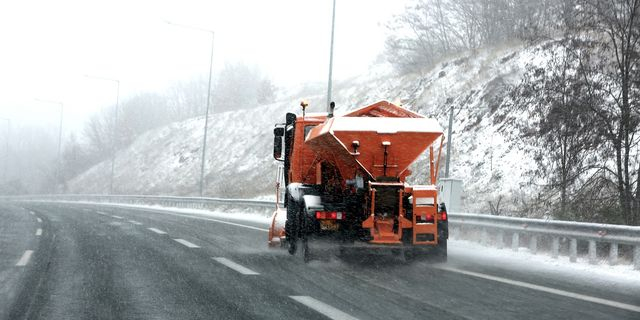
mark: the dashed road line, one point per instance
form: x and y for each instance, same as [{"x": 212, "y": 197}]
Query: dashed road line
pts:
[
  {"x": 39, "y": 232},
  {"x": 24, "y": 260},
  {"x": 235, "y": 266},
  {"x": 117, "y": 217},
  {"x": 211, "y": 219},
  {"x": 187, "y": 243},
  {"x": 102, "y": 213},
  {"x": 563, "y": 293},
  {"x": 323, "y": 308},
  {"x": 135, "y": 222},
  {"x": 158, "y": 231},
  {"x": 39, "y": 220}
]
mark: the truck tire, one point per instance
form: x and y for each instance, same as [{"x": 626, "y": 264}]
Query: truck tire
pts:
[
  {"x": 291, "y": 225},
  {"x": 303, "y": 235},
  {"x": 440, "y": 252}
]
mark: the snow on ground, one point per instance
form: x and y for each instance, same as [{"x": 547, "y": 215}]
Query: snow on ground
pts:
[
  {"x": 619, "y": 276},
  {"x": 486, "y": 152},
  {"x": 247, "y": 215}
]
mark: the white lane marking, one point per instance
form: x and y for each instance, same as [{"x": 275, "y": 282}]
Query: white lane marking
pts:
[
  {"x": 117, "y": 217},
  {"x": 235, "y": 266},
  {"x": 39, "y": 232},
  {"x": 187, "y": 243},
  {"x": 569, "y": 294},
  {"x": 24, "y": 260},
  {"x": 135, "y": 222},
  {"x": 102, "y": 213},
  {"x": 39, "y": 220},
  {"x": 214, "y": 220},
  {"x": 185, "y": 216},
  {"x": 157, "y": 231},
  {"x": 325, "y": 309}
]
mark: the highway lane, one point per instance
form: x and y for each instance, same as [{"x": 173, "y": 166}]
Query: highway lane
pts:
[
  {"x": 101, "y": 267},
  {"x": 17, "y": 236},
  {"x": 106, "y": 263}
]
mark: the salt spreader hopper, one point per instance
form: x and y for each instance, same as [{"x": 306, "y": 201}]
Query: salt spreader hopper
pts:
[{"x": 345, "y": 181}]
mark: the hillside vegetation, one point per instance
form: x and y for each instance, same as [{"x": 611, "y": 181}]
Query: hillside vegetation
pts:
[
  {"x": 239, "y": 161},
  {"x": 545, "y": 99}
]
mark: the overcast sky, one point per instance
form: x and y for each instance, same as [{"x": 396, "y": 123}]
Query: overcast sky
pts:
[{"x": 48, "y": 46}]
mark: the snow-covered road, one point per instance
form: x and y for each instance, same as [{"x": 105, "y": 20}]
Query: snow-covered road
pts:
[{"x": 107, "y": 262}]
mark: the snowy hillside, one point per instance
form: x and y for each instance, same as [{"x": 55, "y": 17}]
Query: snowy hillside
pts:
[{"x": 239, "y": 163}]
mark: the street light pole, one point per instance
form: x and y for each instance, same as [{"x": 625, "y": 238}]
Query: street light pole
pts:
[
  {"x": 206, "y": 117},
  {"x": 5, "y": 178},
  {"x": 113, "y": 131},
  {"x": 449, "y": 141},
  {"x": 59, "y": 169},
  {"x": 329, "y": 86}
]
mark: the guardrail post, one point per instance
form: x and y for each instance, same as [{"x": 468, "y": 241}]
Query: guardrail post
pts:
[
  {"x": 613, "y": 254},
  {"x": 573, "y": 250},
  {"x": 555, "y": 247},
  {"x": 515, "y": 241},
  {"x": 500, "y": 239},
  {"x": 533, "y": 244},
  {"x": 636, "y": 257},
  {"x": 592, "y": 252},
  {"x": 484, "y": 237}
]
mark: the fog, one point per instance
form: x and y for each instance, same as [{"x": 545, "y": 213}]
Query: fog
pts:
[
  {"x": 54, "y": 54},
  {"x": 49, "y": 47}
]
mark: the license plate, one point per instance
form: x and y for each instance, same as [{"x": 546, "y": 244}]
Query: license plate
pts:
[{"x": 330, "y": 225}]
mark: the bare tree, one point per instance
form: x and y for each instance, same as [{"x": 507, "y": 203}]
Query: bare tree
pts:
[
  {"x": 240, "y": 86},
  {"x": 556, "y": 100},
  {"x": 430, "y": 29},
  {"x": 615, "y": 28}
]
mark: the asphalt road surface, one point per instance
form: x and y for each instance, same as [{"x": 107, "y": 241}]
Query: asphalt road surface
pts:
[{"x": 72, "y": 261}]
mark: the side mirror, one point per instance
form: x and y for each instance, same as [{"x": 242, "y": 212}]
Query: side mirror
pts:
[{"x": 278, "y": 134}]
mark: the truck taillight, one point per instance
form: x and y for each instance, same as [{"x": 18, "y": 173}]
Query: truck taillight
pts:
[
  {"x": 426, "y": 218},
  {"x": 331, "y": 215},
  {"x": 442, "y": 210}
]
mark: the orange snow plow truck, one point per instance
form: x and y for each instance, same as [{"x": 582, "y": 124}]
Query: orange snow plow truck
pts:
[{"x": 345, "y": 182}]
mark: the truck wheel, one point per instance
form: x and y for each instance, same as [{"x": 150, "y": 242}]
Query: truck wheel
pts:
[
  {"x": 440, "y": 252},
  {"x": 303, "y": 223},
  {"x": 291, "y": 225},
  {"x": 292, "y": 247},
  {"x": 306, "y": 254}
]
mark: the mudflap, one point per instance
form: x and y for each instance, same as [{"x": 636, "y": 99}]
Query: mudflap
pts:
[{"x": 276, "y": 229}]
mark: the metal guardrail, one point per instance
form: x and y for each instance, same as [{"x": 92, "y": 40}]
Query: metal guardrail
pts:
[
  {"x": 491, "y": 228},
  {"x": 170, "y": 201},
  {"x": 497, "y": 227}
]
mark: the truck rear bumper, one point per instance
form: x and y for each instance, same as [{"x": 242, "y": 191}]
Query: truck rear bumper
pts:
[{"x": 329, "y": 242}]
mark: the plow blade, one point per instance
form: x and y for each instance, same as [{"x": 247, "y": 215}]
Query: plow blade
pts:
[{"x": 276, "y": 229}]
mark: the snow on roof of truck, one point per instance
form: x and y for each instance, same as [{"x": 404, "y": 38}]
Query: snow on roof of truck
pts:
[
  {"x": 385, "y": 125},
  {"x": 384, "y": 109}
]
